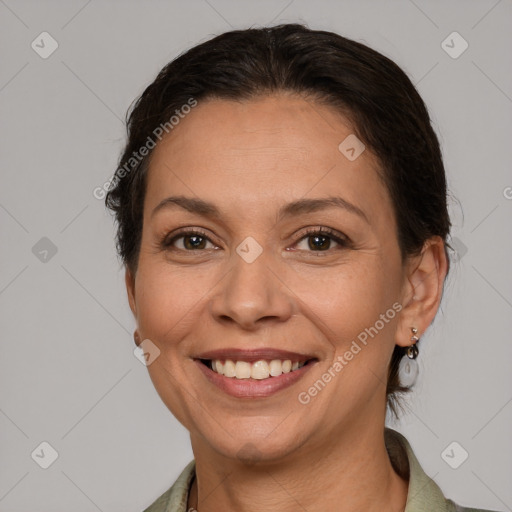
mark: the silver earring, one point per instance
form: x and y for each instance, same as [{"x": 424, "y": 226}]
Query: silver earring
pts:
[{"x": 408, "y": 369}]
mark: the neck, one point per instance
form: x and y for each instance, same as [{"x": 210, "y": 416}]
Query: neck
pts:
[{"x": 352, "y": 473}]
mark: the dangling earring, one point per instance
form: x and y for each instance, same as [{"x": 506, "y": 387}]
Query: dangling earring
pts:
[{"x": 408, "y": 368}]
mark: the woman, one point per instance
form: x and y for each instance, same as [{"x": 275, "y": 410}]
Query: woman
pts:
[{"x": 281, "y": 210}]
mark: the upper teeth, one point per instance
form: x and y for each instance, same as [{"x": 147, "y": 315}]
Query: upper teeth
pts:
[{"x": 258, "y": 370}]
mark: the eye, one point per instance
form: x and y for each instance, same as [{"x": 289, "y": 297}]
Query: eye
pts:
[
  {"x": 191, "y": 240},
  {"x": 321, "y": 240}
]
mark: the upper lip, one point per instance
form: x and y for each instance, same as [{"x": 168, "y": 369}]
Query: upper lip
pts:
[{"x": 249, "y": 356}]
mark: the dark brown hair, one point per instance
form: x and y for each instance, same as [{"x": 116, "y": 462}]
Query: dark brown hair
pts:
[{"x": 376, "y": 96}]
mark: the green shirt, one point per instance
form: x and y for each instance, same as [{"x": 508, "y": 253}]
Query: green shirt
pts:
[{"x": 424, "y": 495}]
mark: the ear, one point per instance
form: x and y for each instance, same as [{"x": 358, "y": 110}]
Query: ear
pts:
[
  {"x": 129, "y": 280},
  {"x": 422, "y": 290}
]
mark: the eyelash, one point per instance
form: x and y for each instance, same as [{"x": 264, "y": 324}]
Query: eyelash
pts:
[{"x": 341, "y": 240}]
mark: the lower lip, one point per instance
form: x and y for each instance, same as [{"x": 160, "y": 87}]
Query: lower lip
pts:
[{"x": 253, "y": 388}]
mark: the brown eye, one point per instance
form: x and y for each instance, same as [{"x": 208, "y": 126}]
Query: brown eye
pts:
[
  {"x": 192, "y": 242},
  {"x": 321, "y": 240},
  {"x": 189, "y": 241}
]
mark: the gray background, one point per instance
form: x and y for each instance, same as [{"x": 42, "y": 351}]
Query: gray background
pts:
[{"x": 68, "y": 375}]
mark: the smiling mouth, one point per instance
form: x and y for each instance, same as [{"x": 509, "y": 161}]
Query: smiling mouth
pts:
[{"x": 258, "y": 370}]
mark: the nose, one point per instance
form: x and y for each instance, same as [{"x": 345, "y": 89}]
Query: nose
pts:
[{"x": 252, "y": 295}]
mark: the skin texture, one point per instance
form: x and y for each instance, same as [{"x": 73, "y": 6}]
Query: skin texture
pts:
[{"x": 251, "y": 158}]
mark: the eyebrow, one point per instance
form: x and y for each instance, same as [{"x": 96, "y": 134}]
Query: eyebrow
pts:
[{"x": 301, "y": 206}]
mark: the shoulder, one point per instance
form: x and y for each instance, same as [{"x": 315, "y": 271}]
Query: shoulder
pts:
[
  {"x": 424, "y": 494},
  {"x": 176, "y": 497}
]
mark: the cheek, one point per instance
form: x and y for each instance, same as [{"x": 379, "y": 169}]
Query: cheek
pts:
[
  {"x": 167, "y": 304},
  {"x": 352, "y": 306},
  {"x": 355, "y": 308},
  {"x": 347, "y": 299},
  {"x": 167, "y": 298}
]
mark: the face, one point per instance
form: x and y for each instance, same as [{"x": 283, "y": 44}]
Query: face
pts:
[{"x": 263, "y": 242}]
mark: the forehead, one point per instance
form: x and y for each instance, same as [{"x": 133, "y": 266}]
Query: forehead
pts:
[
  {"x": 272, "y": 149},
  {"x": 274, "y": 124}
]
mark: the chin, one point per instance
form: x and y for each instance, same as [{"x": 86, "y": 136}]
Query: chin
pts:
[{"x": 269, "y": 447}]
